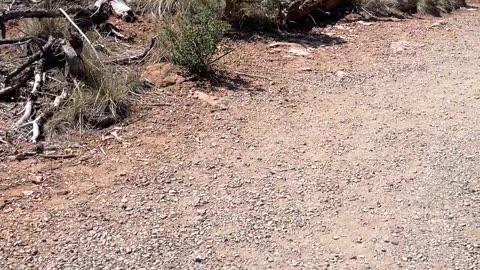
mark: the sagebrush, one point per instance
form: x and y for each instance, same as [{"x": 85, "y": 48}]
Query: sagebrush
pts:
[{"x": 192, "y": 38}]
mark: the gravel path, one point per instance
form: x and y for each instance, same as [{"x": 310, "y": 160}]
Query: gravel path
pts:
[{"x": 364, "y": 156}]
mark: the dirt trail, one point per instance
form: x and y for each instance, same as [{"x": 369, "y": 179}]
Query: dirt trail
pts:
[{"x": 360, "y": 155}]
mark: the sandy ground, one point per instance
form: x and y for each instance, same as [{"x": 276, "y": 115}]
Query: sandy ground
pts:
[{"x": 355, "y": 147}]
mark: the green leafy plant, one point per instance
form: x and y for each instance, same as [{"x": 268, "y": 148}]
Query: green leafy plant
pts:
[{"x": 192, "y": 38}]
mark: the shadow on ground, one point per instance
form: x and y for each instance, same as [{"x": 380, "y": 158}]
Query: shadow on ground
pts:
[
  {"x": 310, "y": 39},
  {"x": 230, "y": 81}
]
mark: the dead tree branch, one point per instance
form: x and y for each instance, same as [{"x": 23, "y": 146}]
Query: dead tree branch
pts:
[
  {"x": 33, "y": 94},
  {"x": 14, "y": 40},
  {"x": 37, "y": 56}
]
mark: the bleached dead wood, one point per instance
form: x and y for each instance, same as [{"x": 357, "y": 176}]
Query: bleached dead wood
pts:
[
  {"x": 38, "y": 82},
  {"x": 122, "y": 10}
]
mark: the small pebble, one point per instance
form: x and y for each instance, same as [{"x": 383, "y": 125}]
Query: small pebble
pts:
[{"x": 37, "y": 180}]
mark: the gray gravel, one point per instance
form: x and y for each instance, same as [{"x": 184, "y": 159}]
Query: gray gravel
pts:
[{"x": 375, "y": 167}]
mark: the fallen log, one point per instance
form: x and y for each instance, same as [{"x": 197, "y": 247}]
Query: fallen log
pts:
[
  {"x": 85, "y": 17},
  {"x": 25, "y": 14},
  {"x": 29, "y": 13}
]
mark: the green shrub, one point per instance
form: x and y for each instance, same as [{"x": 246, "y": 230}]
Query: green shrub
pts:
[
  {"x": 192, "y": 39},
  {"x": 429, "y": 7}
]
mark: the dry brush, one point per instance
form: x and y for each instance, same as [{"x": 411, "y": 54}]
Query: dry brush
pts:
[{"x": 71, "y": 52}]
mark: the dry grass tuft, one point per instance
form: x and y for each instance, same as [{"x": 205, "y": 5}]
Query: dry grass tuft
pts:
[
  {"x": 379, "y": 7},
  {"x": 161, "y": 8},
  {"x": 101, "y": 100},
  {"x": 45, "y": 27}
]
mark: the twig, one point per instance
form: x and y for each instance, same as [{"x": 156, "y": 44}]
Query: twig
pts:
[
  {"x": 40, "y": 120},
  {"x": 368, "y": 12},
  {"x": 35, "y": 130},
  {"x": 114, "y": 31},
  {"x": 31, "y": 59},
  {"x": 8, "y": 107},
  {"x": 14, "y": 40},
  {"x": 34, "y": 13},
  {"x": 139, "y": 57},
  {"x": 80, "y": 31},
  {"x": 9, "y": 91},
  {"x": 221, "y": 56}
]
